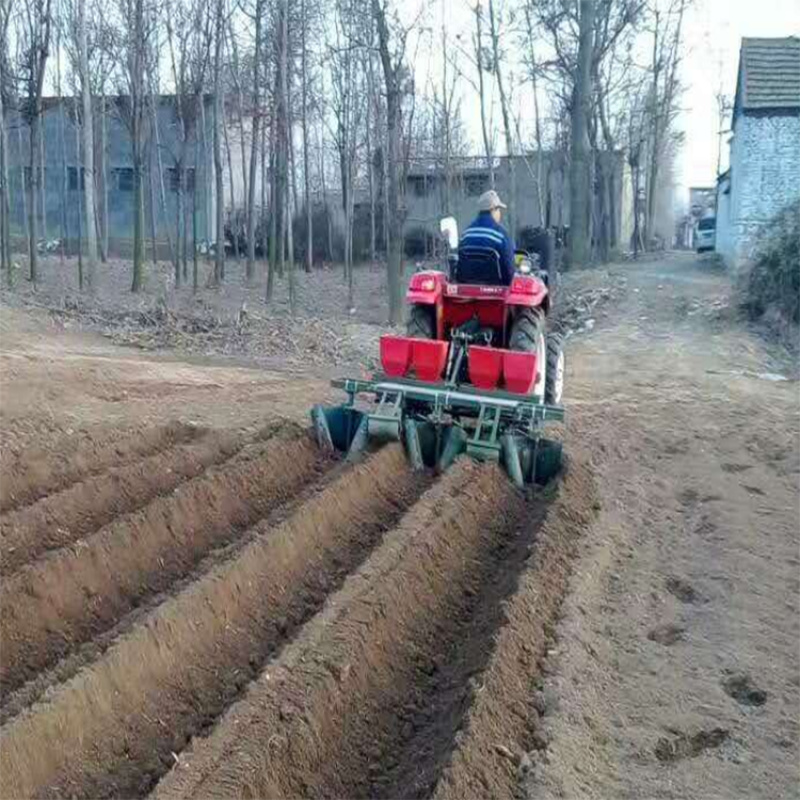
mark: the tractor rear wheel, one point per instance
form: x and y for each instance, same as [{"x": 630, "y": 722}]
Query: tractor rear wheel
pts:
[
  {"x": 527, "y": 334},
  {"x": 556, "y": 366},
  {"x": 420, "y": 323}
]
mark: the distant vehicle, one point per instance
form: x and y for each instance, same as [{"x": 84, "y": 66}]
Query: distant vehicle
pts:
[{"x": 705, "y": 234}]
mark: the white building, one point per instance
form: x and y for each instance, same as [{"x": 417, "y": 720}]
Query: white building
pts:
[{"x": 764, "y": 174}]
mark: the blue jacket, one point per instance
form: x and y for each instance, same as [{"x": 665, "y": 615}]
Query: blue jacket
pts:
[{"x": 485, "y": 232}]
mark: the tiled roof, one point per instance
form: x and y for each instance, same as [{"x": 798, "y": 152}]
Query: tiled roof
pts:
[{"x": 769, "y": 74}]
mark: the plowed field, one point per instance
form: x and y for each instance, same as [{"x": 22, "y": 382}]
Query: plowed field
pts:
[
  {"x": 195, "y": 601},
  {"x": 249, "y": 588}
]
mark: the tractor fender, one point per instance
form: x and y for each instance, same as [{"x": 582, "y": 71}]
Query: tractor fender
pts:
[
  {"x": 426, "y": 287},
  {"x": 528, "y": 291}
]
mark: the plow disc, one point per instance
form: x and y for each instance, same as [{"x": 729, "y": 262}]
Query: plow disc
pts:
[{"x": 437, "y": 423}]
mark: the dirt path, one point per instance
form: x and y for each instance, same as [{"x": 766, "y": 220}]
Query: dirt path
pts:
[{"x": 676, "y": 670}]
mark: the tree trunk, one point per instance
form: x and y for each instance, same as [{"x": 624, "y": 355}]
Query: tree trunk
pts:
[
  {"x": 233, "y": 222},
  {"x": 652, "y": 172},
  {"x": 23, "y": 182},
  {"x": 174, "y": 253},
  {"x": 273, "y": 207},
  {"x": 391, "y": 74},
  {"x": 81, "y": 273},
  {"x": 306, "y": 158},
  {"x": 219, "y": 256},
  {"x": 104, "y": 177},
  {"x": 5, "y": 221},
  {"x": 152, "y": 205},
  {"x": 286, "y": 133},
  {"x": 371, "y": 180},
  {"x": 580, "y": 155},
  {"x": 88, "y": 147},
  {"x": 250, "y": 269},
  {"x": 138, "y": 220},
  {"x": 487, "y": 145},
  {"x": 328, "y": 220},
  {"x": 33, "y": 186},
  {"x": 43, "y": 190},
  {"x": 537, "y": 120},
  {"x": 504, "y": 110},
  {"x": 240, "y": 117}
]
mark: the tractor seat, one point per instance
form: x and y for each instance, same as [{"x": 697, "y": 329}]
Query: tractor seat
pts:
[{"x": 477, "y": 265}]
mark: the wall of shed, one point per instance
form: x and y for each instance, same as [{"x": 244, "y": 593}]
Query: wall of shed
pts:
[{"x": 765, "y": 177}]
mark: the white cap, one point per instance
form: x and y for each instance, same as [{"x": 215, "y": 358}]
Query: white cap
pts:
[{"x": 490, "y": 200}]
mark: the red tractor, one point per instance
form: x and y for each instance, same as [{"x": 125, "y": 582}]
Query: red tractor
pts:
[{"x": 477, "y": 372}]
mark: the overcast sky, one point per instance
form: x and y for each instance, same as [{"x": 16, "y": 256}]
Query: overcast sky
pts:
[{"x": 714, "y": 31}]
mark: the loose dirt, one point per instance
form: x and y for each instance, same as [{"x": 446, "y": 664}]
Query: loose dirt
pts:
[
  {"x": 689, "y": 577},
  {"x": 344, "y": 694},
  {"x": 65, "y": 598},
  {"x": 37, "y": 471},
  {"x": 172, "y": 675},
  {"x": 219, "y": 608},
  {"x": 62, "y": 518}
]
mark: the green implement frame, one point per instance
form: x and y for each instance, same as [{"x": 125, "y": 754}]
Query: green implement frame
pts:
[{"x": 485, "y": 417}]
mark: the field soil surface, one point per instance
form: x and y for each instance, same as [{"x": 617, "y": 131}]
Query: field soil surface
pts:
[{"x": 197, "y": 602}]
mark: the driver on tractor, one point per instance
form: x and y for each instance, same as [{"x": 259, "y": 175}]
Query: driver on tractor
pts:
[{"x": 486, "y": 234}]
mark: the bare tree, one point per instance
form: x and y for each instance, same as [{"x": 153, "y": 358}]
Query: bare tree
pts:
[
  {"x": 447, "y": 115},
  {"x": 305, "y": 80},
  {"x": 480, "y": 63},
  {"x": 34, "y": 36},
  {"x": 580, "y": 186},
  {"x": 494, "y": 32},
  {"x": 392, "y": 49},
  {"x": 219, "y": 120},
  {"x": 344, "y": 65},
  {"x": 88, "y": 177},
  {"x": 533, "y": 75},
  {"x": 667, "y": 33},
  {"x": 286, "y": 135},
  {"x": 189, "y": 28},
  {"x": 132, "y": 41},
  {"x": 258, "y": 69},
  {"x": 6, "y": 265}
]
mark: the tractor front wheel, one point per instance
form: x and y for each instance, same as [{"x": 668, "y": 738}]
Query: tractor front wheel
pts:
[
  {"x": 527, "y": 334},
  {"x": 420, "y": 323}
]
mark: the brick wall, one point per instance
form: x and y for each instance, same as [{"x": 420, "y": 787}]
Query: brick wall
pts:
[{"x": 765, "y": 177}]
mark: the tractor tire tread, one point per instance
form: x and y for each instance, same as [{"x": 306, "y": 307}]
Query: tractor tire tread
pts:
[
  {"x": 525, "y": 330},
  {"x": 555, "y": 345},
  {"x": 420, "y": 324}
]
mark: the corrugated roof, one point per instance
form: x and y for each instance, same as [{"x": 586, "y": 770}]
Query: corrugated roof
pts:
[{"x": 769, "y": 74}]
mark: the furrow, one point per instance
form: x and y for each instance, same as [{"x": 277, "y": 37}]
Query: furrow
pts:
[
  {"x": 503, "y": 712},
  {"x": 172, "y": 675},
  {"x": 63, "y": 518},
  {"x": 69, "y": 596},
  {"x": 37, "y": 472},
  {"x": 325, "y": 717}
]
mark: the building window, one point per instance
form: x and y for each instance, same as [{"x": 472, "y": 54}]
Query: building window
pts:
[
  {"x": 124, "y": 179},
  {"x": 418, "y": 184},
  {"x": 73, "y": 174},
  {"x": 476, "y": 184},
  {"x": 172, "y": 179}
]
